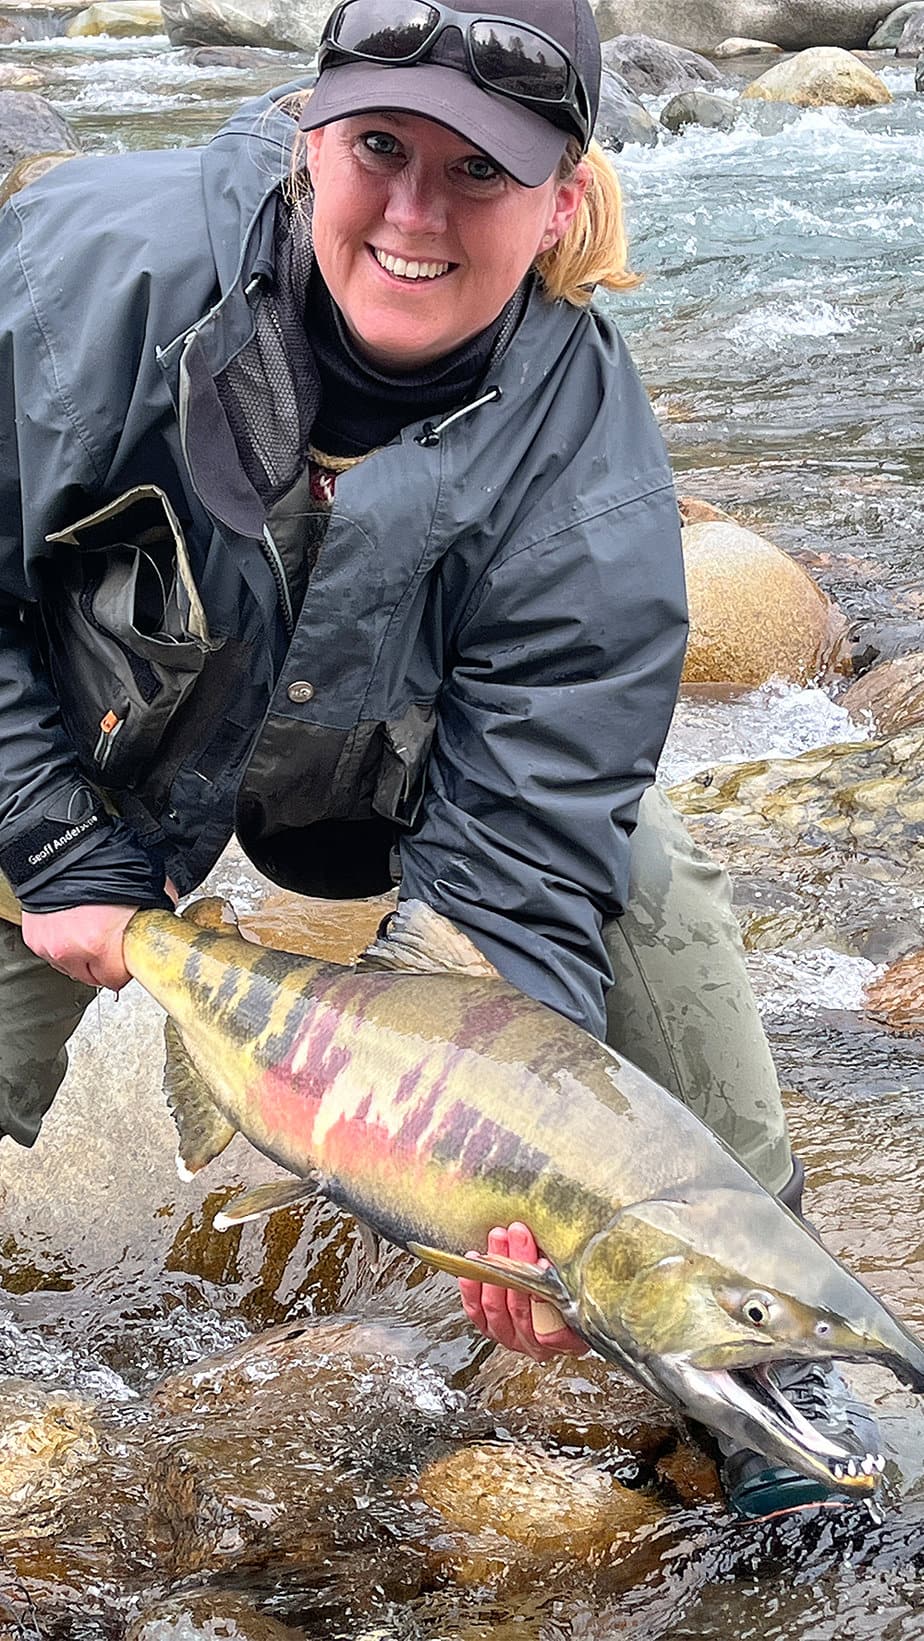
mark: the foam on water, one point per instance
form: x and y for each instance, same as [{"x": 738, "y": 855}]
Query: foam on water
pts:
[
  {"x": 779, "y": 720},
  {"x": 801, "y": 983}
]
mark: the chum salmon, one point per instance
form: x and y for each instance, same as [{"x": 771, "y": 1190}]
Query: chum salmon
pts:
[{"x": 431, "y": 1099}]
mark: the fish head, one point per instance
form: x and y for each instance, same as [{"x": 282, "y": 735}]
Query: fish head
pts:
[{"x": 698, "y": 1294}]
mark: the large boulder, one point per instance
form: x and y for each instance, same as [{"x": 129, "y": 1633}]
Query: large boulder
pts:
[
  {"x": 889, "y": 32},
  {"x": 912, "y": 40},
  {"x": 822, "y": 76},
  {"x": 698, "y": 108},
  {"x": 755, "y": 614},
  {"x": 121, "y": 19},
  {"x": 29, "y": 125},
  {"x": 650, "y": 66},
  {"x": 622, "y": 116},
  {"x": 285, "y": 25},
  {"x": 701, "y": 25}
]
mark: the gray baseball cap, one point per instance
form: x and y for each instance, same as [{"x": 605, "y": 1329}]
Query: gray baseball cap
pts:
[{"x": 526, "y": 143}]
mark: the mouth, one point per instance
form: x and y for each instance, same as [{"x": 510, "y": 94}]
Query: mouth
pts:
[
  {"x": 408, "y": 271},
  {"x": 746, "y": 1405}
]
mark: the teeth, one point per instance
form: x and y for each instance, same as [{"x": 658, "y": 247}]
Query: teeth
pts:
[
  {"x": 839, "y": 1472},
  {"x": 868, "y": 1465},
  {"x": 880, "y": 1463},
  {"x": 409, "y": 270},
  {"x": 853, "y": 1469}
]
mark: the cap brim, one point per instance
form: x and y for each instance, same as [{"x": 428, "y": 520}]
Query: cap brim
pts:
[{"x": 520, "y": 141}]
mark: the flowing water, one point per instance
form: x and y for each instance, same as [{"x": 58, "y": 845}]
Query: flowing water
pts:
[{"x": 780, "y": 331}]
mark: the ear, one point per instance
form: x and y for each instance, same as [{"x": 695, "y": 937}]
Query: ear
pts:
[
  {"x": 566, "y": 202},
  {"x": 314, "y": 141}
]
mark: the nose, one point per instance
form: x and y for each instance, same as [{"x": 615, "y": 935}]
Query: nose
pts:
[{"x": 416, "y": 203}]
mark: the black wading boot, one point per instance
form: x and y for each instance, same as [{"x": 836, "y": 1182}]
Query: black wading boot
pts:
[{"x": 756, "y": 1487}]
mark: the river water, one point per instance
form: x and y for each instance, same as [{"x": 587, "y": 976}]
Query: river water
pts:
[{"x": 780, "y": 329}]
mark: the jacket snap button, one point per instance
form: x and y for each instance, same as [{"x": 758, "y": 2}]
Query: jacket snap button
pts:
[{"x": 301, "y": 691}]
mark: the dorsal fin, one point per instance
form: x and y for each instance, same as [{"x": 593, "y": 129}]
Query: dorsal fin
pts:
[
  {"x": 212, "y": 913},
  {"x": 418, "y": 938}
]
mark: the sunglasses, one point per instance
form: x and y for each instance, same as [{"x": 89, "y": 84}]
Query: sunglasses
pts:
[{"x": 505, "y": 56}]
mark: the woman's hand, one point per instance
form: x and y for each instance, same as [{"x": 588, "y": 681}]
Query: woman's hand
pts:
[
  {"x": 84, "y": 942},
  {"x": 514, "y": 1319}
]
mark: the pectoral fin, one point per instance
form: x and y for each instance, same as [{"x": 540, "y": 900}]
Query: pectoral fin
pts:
[
  {"x": 504, "y": 1273},
  {"x": 203, "y": 1130},
  {"x": 265, "y": 1199},
  {"x": 418, "y": 938},
  {"x": 212, "y": 913}
]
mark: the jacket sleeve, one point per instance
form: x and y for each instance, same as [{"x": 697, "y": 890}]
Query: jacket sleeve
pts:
[
  {"x": 550, "y": 728},
  {"x": 51, "y": 823}
]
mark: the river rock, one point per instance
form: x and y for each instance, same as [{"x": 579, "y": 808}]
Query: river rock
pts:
[
  {"x": 622, "y": 116},
  {"x": 45, "y": 1438},
  {"x": 247, "y": 58},
  {"x": 889, "y": 32},
  {"x": 891, "y": 696},
  {"x": 17, "y": 77},
  {"x": 744, "y": 48},
  {"x": 818, "y": 78},
  {"x": 651, "y": 66},
  {"x": 121, "y": 19},
  {"x": 698, "y": 108},
  {"x": 849, "y": 801},
  {"x": 755, "y": 614},
  {"x": 212, "y": 1615},
  {"x": 896, "y": 999},
  {"x": 29, "y": 170},
  {"x": 693, "y": 510},
  {"x": 29, "y": 125},
  {"x": 701, "y": 25},
  {"x": 284, "y": 25},
  {"x": 919, "y": 74},
  {"x": 10, "y": 31},
  {"x": 912, "y": 40}
]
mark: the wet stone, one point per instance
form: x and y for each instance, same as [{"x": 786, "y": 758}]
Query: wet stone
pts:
[
  {"x": 822, "y": 76},
  {"x": 29, "y": 125},
  {"x": 29, "y": 170},
  {"x": 651, "y": 66},
  {"x": 698, "y": 108},
  {"x": 890, "y": 696},
  {"x": 210, "y": 1616},
  {"x": 896, "y": 998}
]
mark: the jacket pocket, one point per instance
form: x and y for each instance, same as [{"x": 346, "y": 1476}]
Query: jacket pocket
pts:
[
  {"x": 402, "y": 776},
  {"x": 126, "y": 632}
]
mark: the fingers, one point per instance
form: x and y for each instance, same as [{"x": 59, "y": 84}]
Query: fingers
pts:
[
  {"x": 522, "y": 1323},
  {"x": 84, "y": 942}
]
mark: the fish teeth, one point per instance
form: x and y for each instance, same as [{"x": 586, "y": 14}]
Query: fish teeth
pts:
[
  {"x": 880, "y": 1462},
  {"x": 838, "y": 1472},
  {"x": 853, "y": 1469}
]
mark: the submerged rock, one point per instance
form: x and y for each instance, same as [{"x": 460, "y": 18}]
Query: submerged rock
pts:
[
  {"x": 17, "y": 77},
  {"x": 651, "y": 66},
  {"x": 701, "y": 25},
  {"x": 121, "y": 19},
  {"x": 622, "y": 116},
  {"x": 755, "y": 614},
  {"x": 210, "y": 1615},
  {"x": 45, "y": 1438},
  {"x": 29, "y": 170},
  {"x": 29, "y": 125},
  {"x": 850, "y": 800},
  {"x": 891, "y": 696},
  {"x": 818, "y": 78},
  {"x": 890, "y": 30},
  {"x": 699, "y": 108},
  {"x": 896, "y": 999}
]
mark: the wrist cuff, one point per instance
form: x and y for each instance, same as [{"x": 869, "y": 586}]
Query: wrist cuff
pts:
[{"x": 72, "y": 820}]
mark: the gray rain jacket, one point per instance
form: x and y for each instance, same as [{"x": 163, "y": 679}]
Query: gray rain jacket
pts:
[{"x": 487, "y": 656}]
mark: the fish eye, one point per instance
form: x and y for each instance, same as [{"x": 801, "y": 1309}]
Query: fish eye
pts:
[
  {"x": 822, "y": 1329},
  {"x": 756, "y": 1309}
]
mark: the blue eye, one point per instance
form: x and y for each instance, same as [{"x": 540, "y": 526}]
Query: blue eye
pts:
[
  {"x": 481, "y": 169},
  {"x": 380, "y": 142}
]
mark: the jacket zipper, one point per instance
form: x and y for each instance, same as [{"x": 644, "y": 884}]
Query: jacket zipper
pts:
[{"x": 274, "y": 559}]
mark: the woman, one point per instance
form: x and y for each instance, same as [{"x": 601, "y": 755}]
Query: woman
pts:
[{"x": 333, "y": 517}]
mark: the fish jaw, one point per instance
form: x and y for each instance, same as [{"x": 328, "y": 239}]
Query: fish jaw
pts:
[{"x": 747, "y": 1408}]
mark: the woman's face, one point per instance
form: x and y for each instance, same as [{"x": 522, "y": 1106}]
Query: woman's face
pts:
[{"x": 420, "y": 238}]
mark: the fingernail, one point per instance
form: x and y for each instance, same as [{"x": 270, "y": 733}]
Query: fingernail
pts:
[{"x": 546, "y": 1319}]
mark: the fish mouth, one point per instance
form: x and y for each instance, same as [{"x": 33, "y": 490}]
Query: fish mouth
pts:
[{"x": 747, "y": 1406}]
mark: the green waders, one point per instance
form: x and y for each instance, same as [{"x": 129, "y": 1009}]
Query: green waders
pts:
[{"x": 681, "y": 1008}]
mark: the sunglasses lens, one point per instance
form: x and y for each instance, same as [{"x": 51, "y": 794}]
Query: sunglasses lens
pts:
[
  {"x": 385, "y": 30},
  {"x": 521, "y": 65}
]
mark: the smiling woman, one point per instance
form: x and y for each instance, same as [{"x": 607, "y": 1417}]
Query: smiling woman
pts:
[{"x": 338, "y": 518}]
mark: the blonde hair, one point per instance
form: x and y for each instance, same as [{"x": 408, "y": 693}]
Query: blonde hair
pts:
[{"x": 594, "y": 249}]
